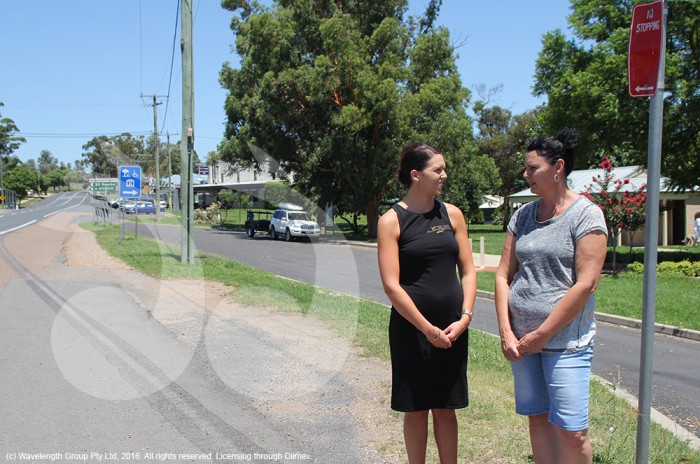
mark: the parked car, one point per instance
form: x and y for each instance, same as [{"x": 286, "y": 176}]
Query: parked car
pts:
[
  {"x": 292, "y": 222},
  {"x": 141, "y": 207},
  {"x": 116, "y": 203}
]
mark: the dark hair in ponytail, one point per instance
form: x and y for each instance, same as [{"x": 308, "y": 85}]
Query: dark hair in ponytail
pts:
[
  {"x": 414, "y": 156},
  {"x": 561, "y": 147}
]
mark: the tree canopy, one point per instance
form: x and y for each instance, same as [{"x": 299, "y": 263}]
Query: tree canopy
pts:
[
  {"x": 22, "y": 179},
  {"x": 9, "y": 142},
  {"x": 585, "y": 81},
  {"x": 47, "y": 162},
  {"x": 333, "y": 90},
  {"x": 503, "y": 138},
  {"x": 104, "y": 154}
]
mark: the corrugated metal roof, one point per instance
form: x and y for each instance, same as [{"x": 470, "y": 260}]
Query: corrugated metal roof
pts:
[{"x": 581, "y": 179}]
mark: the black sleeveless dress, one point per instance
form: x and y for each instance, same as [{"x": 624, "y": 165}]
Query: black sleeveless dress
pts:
[{"x": 425, "y": 377}]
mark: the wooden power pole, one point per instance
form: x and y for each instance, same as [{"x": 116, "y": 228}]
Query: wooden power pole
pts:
[
  {"x": 187, "y": 137},
  {"x": 156, "y": 142}
]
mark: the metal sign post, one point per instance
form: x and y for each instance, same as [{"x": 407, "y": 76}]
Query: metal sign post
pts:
[{"x": 646, "y": 65}]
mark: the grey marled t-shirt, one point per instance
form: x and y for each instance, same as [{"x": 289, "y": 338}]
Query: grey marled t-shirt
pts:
[{"x": 546, "y": 270}]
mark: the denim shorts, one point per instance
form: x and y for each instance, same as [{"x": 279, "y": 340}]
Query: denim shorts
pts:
[{"x": 555, "y": 383}]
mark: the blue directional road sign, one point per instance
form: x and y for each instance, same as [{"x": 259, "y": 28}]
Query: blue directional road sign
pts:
[{"x": 130, "y": 181}]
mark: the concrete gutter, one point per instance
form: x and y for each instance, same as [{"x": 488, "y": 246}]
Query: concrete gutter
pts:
[{"x": 656, "y": 416}]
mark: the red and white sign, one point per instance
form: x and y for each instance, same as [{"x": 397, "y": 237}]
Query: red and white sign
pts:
[{"x": 644, "y": 52}]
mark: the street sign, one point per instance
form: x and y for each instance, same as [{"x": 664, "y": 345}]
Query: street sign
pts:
[
  {"x": 104, "y": 186},
  {"x": 203, "y": 170},
  {"x": 130, "y": 181},
  {"x": 644, "y": 50}
]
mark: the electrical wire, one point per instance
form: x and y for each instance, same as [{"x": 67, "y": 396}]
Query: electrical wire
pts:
[
  {"x": 140, "y": 48},
  {"x": 172, "y": 60},
  {"x": 77, "y": 136},
  {"x": 58, "y": 105}
]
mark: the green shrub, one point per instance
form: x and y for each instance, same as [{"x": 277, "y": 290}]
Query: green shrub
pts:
[
  {"x": 691, "y": 269},
  {"x": 635, "y": 268},
  {"x": 637, "y": 255},
  {"x": 497, "y": 218},
  {"x": 478, "y": 217},
  {"x": 668, "y": 267},
  {"x": 685, "y": 268}
]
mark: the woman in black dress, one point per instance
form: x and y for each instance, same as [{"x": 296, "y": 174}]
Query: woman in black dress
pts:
[{"x": 422, "y": 245}]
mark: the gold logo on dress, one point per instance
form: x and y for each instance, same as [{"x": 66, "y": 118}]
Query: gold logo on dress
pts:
[{"x": 439, "y": 229}]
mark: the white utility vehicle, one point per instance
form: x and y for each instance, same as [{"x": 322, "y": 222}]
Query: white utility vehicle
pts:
[{"x": 291, "y": 221}]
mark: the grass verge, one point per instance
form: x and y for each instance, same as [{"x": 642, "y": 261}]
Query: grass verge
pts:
[
  {"x": 490, "y": 431},
  {"x": 166, "y": 217},
  {"x": 621, "y": 294},
  {"x": 494, "y": 237}
]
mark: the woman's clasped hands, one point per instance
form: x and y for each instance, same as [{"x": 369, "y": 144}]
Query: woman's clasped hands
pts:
[
  {"x": 514, "y": 349},
  {"x": 438, "y": 338}
]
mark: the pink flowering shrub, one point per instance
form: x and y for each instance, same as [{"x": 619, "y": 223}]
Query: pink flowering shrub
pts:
[{"x": 622, "y": 210}]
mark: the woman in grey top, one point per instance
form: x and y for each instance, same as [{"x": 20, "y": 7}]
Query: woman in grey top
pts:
[{"x": 550, "y": 266}]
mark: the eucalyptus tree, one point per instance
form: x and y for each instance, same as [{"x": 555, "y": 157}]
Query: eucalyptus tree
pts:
[
  {"x": 47, "y": 162},
  {"x": 97, "y": 155},
  {"x": 105, "y": 154},
  {"x": 503, "y": 137},
  {"x": 333, "y": 90},
  {"x": 585, "y": 80},
  {"x": 9, "y": 142},
  {"x": 21, "y": 179}
]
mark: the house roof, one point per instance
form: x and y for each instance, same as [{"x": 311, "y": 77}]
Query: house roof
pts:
[
  {"x": 580, "y": 180},
  {"x": 491, "y": 201},
  {"x": 197, "y": 179}
]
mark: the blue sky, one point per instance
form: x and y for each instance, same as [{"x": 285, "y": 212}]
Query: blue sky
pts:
[{"x": 75, "y": 70}]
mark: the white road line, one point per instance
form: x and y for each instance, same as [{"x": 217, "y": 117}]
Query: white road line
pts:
[{"x": 16, "y": 228}]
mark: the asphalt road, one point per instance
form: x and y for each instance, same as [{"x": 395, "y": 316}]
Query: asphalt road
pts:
[
  {"x": 353, "y": 270},
  {"x": 103, "y": 363}
]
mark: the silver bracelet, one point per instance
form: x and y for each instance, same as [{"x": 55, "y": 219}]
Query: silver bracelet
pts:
[{"x": 468, "y": 312}]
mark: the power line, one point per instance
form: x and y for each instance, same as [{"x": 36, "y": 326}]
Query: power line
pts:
[
  {"x": 154, "y": 104},
  {"x": 43, "y": 104},
  {"x": 172, "y": 60},
  {"x": 140, "y": 48},
  {"x": 77, "y": 136}
]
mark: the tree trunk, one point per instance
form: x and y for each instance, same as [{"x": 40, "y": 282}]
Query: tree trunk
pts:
[
  {"x": 614, "y": 233},
  {"x": 506, "y": 213},
  {"x": 372, "y": 215}
]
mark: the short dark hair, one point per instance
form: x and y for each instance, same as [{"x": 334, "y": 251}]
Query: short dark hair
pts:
[
  {"x": 414, "y": 156},
  {"x": 563, "y": 147}
]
